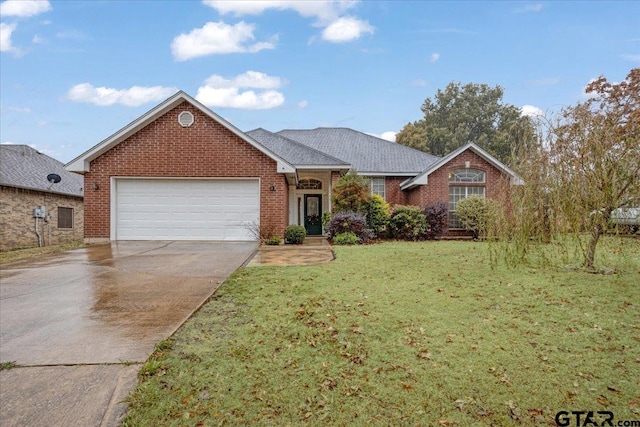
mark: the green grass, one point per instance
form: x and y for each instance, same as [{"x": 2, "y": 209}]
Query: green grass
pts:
[
  {"x": 28, "y": 253},
  {"x": 403, "y": 334}
]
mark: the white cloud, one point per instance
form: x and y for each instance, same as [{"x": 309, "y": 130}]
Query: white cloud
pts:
[
  {"x": 254, "y": 79},
  {"x": 24, "y": 8},
  {"x": 325, "y": 11},
  {"x": 531, "y": 111},
  {"x": 5, "y": 37},
  {"x": 435, "y": 57},
  {"x": 346, "y": 29},
  {"x": 389, "y": 136},
  {"x": 37, "y": 39},
  {"x": 19, "y": 109},
  {"x": 328, "y": 14},
  {"x": 132, "y": 97},
  {"x": 217, "y": 38},
  {"x": 303, "y": 104},
  {"x": 531, "y": 7},
  {"x": 419, "y": 82},
  {"x": 226, "y": 93},
  {"x": 633, "y": 57}
]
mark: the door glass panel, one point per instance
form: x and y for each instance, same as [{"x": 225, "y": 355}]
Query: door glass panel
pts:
[{"x": 312, "y": 206}]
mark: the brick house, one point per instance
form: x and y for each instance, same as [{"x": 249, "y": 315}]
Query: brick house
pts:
[
  {"x": 181, "y": 172},
  {"x": 24, "y": 188}
]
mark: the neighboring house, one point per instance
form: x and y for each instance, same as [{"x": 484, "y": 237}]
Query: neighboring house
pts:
[
  {"x": 181, "y": 172},
  {"x": 24, "y": 189}
]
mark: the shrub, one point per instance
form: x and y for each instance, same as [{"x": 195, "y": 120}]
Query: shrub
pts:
[
  {"x": 347, "y": 238},
  {"x": 377, "y": 211},
  {"x": 350, "y": 193},
  {"x": 295, "y": 234},
  {"x": 274, "y": 240},
  {"x": 356, "y": 223},
  {"x": 408, "y": 223},
  {"x": 326, "y": 217},
  {"x": 436, "y": 215},
  {"x": 474, "y": 214}
]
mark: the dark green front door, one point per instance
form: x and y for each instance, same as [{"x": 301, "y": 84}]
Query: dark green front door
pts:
[{"x": 312, "y": 214}]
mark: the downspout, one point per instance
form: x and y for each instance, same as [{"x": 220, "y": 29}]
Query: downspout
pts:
[{"x": 38, "y": 234}]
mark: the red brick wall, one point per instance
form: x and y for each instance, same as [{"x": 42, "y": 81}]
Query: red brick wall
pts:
[
  {"x": 166, "y": 149},
  {"x": 394, "y": 195}
]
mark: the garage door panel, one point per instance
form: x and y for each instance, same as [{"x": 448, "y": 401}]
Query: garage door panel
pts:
[{"x": 166, "y": 209}]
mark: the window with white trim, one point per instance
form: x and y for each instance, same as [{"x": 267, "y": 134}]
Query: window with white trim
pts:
[
  {"x": 378, "y": 186},
  {"x": 460, "y": 192}
]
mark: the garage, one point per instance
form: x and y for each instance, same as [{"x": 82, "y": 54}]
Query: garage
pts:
[{"x": 185, "y": 209}]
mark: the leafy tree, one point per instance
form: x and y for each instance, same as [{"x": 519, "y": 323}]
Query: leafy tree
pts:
[
  {"x": 350, "y": 193},
  {"x": 469, "y": 113}
]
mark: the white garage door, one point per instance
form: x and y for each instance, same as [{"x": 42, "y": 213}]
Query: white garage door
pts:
[{"x": 186, "y": 209}]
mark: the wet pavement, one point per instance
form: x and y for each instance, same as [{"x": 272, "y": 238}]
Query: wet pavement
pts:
[
  {"x": 103, "y": 309},
  {"x": 315, "y": 250}
]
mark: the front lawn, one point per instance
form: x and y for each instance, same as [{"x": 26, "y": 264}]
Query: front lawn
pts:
[{"x": 403, "y": 334}]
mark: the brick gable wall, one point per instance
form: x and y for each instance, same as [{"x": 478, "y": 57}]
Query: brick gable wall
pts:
[
  {"x": 437, "y": 190},
  {"x": 166, "y": 149}
]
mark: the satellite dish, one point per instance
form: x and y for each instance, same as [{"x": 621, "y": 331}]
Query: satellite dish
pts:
[{"x": 54, "y": 178}]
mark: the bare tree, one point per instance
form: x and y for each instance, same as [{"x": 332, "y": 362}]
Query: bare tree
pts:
[{"x": 586, "y": 165}]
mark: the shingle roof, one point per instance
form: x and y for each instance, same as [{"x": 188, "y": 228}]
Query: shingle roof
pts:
[
  {"x": 294, "y": 152},
  {"x": 365, "y": 153},
  {"x": 24, "y": 167}
]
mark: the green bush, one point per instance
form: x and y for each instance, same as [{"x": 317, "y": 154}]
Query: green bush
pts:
[
  {"x": 474, "y": 214},
  {"x": 295, "y": 234},
  {"x": 346, "y": 238},
  {"x": 350, "y": 193},
  {"x": 378, "y": 213},
  {"x": 408, "y": 223},
  {"x": 274, "y": 240}
]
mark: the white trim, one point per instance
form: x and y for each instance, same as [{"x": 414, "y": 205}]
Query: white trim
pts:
[
  {"x": 81, "y": 164},
  {"x": 114, "y": 184},
  {"x": 423, "y": 177}
]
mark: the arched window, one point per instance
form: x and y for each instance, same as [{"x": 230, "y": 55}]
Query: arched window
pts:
[
  {"x": 464, "y": 183},
  {"x": 309, "y": 184},
  {"x": 467, "y": 175}
]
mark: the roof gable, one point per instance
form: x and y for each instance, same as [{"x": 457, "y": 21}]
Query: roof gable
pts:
[
  {"x": 423, "y": 177},
  {"x": 24, "y": 167},
  {"x": 81, "y": 163},
  {"x": 368, "y": 154}
]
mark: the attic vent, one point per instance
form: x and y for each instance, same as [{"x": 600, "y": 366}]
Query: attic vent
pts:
[{"x": 185, "y": 119}]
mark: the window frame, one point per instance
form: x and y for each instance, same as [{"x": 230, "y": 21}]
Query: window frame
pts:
[
  {"x": 65, "y": 219},
  {"x": 464, "y": 183},
  {"x": 375, "y": 185}
]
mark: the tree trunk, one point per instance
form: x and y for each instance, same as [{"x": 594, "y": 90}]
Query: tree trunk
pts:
[{"x": 596, "y": 232}]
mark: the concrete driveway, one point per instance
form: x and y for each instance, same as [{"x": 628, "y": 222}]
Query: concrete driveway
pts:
[{"x": 79, "y": 324}]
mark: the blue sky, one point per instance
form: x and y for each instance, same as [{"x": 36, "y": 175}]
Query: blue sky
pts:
[{"x": 74, "y": 72}]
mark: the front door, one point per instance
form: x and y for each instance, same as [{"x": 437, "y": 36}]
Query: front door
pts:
[{"x": 312, "y": 214}]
